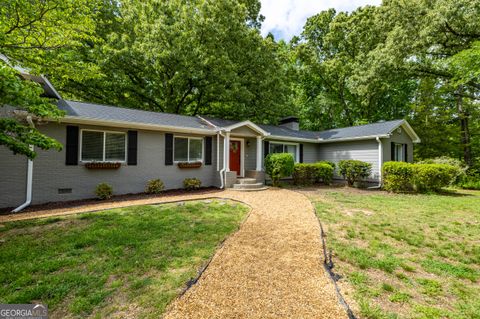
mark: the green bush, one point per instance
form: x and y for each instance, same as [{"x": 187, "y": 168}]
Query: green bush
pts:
[
  {"x": 191, "y": 183},
  {"x": 460, "y": 167},
  {"x": 279, "y": 165},
  {"x": 332, "y": 164},
  {"x": 432, "y": 177},
  {"x": 154, "y": 186},
  {"x": 470, "y": 183},
  {"x": 303, "y": 174},
  {"x": 307, "y": 174},
  {"x": 324, "y": 172},
  {"x": 354, "y": 171},
  {"x": 103, "y": 191},
  {"x": 397, "y": 176}
]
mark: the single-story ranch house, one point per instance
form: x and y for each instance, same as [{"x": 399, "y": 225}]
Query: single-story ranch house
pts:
[{"x": 139, "y": 146}]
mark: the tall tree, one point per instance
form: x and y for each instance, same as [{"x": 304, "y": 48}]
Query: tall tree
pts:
[
  {"x": 334, "y": 47},
  {"x": 189, "y": 57},
  {"x": 422, "y": 38},
  {"x": 40, "y": 36}
]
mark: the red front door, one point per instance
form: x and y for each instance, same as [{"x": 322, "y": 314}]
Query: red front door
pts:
[{"x": 235, "y": 158}]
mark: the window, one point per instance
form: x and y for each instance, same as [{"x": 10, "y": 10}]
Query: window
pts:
[
  {"x": 399, "y": 157},
  {"x": 187, "y": 149},
  {"x": 98, "y": 146},
  {"x": 284, "y": 148}
]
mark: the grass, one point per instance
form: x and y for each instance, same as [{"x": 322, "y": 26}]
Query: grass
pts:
[
  {"x": 129, "y": 262},
  {"x": 405, "y": 256}
]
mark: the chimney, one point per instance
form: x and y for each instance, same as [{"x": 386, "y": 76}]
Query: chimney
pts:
[{"x": 290, "y": 122}]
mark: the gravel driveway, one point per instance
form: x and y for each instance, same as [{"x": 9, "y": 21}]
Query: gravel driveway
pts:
[{"x": 270, "y": 268}]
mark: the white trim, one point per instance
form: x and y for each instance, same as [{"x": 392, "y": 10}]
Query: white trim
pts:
[
  {"x": 226, "y": 152},
  {"x": 358, "y": 138},
  {"x": 132, "y": 125},
  {"x": 297, "y": 149},
  {"x": 207, "y": 121},
  {"x": 188, "y": 148},
  {"x": 249, "y": 124},
  {"x": 104, "y": 144},
  {"x": 259, "y": 154},
  {"x": 242, "y": 155}
]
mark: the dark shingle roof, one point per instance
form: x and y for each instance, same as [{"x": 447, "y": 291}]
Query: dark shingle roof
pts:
[
  {"x": 111, "y": 113},
  {"x": 375, "y": 129}
]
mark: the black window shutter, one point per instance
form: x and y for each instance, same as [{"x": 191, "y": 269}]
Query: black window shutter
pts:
[
  {"x": 208, "y": 150},
  {"x": 132, "y": 142},
  {"x": 266, "y": 148},
  {"x": 168, "y": 149},
  {"x": 405, "y": 152},
  {"x": 301, "y": 153},
  {"x": 71, "y": 148},
  {"x": 392, "y": 151}
]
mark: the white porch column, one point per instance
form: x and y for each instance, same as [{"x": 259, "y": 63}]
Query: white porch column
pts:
[
  {"x": 259, "y": 153},
  {"x": 227, "y": 152}
]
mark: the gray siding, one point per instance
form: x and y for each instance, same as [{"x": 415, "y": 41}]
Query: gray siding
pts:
[
  {"x": 50, "y": 172},
  {"x": 13, "y": 172},
  {"x": 365, "y": 150},
  {"x": 310, "y": 153},
  {"x": 396, "y": 137}
]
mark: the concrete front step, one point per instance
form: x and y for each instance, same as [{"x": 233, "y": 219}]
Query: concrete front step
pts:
[
  {"x": 248, "y": 186},
  {"x": 246, "y": 181}
]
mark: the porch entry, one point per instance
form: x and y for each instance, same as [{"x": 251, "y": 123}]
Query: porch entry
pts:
[{"x": 236, "y": 157}]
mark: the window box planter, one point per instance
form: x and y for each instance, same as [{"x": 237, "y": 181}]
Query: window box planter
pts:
[
  {"x": 189, "y": 165},
  {"x": 103, "y": 165}
]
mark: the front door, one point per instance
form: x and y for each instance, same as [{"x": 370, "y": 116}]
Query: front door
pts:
[{"x": 235, "y": 157}]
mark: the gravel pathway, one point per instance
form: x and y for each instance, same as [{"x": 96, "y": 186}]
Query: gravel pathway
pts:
[{"x": 270, "y": 268}]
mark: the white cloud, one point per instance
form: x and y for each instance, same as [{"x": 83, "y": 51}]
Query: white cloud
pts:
[{"x": 286, "y": 18}]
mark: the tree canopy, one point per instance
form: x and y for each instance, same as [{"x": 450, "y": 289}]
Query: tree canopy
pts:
[{"x": 417, "y": 60}]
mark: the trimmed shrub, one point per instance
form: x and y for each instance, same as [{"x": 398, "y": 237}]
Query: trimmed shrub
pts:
[
  {"x": 354, "y": 171},
  {"x": 103, "y": 191},
  {"x": 332, "y": 164},
  {"x": 397, "y": 176},
  {"x": 303, "y": 174},
  {"x": 432, "y": 177},
  {"x": 192, "y": 183},
  {"x": 154, "y": 186},
  {"x": 324, "y": 172},
  {"x": 461, "y": 169},
  {"x": 307, "y": 174},
  {"x": 279, "y": 165}
]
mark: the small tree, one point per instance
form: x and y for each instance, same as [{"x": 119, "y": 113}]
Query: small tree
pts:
[
  {"x": 354, "y": 171},
  {"x": 279, "y": 165}
]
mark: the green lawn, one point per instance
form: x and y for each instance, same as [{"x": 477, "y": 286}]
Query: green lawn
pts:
[
  {"x": 122, "y": 262},
  {"x": 405, "y": 256}
]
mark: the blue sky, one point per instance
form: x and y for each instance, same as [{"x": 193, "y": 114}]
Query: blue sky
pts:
[{"x": 286, "y": 18}]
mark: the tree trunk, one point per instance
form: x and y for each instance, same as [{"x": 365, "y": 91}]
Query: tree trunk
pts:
[{"x": 464, "y": 129}]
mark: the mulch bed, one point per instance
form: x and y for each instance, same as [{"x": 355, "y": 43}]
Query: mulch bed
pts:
[{"x": 115, "y": 198}]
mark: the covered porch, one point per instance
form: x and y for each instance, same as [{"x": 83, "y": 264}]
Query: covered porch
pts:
[{"x": 240, "y": 156}]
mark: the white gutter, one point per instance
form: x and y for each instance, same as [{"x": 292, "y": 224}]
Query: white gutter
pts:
[
  {"x": 380, "y": 161},
  {"x": 28, "y": 198}
]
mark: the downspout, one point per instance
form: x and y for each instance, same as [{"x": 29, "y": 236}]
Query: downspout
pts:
[
  {"x": 380, "y": 160},
  {"x": 28, "y": 198},
  {"x": 222, "y": 183}
]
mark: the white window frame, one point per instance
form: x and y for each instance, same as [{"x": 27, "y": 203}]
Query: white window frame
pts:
[
  {"x": 104, "y": 144},
  {"x": 402, "y": 155},
  {"x": 188, "y": 148},
  {"x": 297, "y": 149}
]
